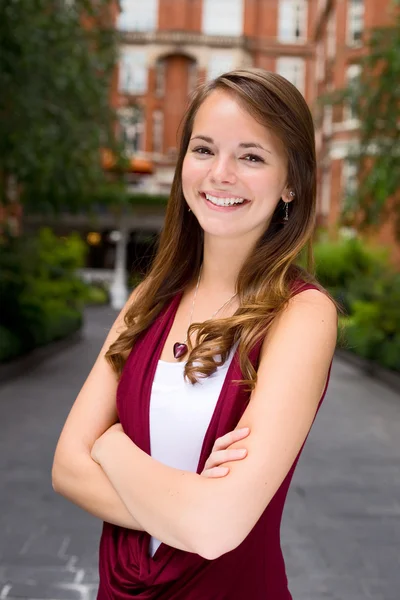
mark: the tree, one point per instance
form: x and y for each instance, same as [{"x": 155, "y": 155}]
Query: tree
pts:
[
  {"x": 375, "y": 99},
  {"x": 57, "y": 59}
]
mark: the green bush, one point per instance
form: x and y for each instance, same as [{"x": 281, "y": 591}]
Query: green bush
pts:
[
  {"x": 10, "y": 345},
  {"x": 361, "y": 278},
  {"x": 41, "y": 296},
  {"x": 345, "y": 266},
  {"x": 96, "y": 295}
]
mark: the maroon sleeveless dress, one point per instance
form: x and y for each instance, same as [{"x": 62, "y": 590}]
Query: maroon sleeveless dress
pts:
[{"x": 255, "y": 569}]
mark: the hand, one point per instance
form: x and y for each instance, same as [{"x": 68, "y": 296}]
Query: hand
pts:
[
  {"x": 221, "y": 454},
  {"x": 95, "y": 452}
]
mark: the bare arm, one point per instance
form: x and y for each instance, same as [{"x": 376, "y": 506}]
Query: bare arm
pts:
[
  {"x": 213, "y": 516},
  {"x": 75, "y": 474}
]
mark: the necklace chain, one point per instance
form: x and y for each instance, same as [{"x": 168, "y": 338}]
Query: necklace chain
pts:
[{"x": 194, "y": 301}]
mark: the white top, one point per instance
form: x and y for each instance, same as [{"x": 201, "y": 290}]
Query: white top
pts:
[{"x": 180, "y": 414}]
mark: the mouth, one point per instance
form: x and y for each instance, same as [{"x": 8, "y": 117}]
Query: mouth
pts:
[{"x": 224, "y": 204}]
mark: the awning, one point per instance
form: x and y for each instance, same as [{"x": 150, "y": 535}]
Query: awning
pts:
[{"x": 133, "y": 165}]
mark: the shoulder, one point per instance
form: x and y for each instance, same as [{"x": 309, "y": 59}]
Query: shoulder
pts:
[{"x": 310, "y": 318}]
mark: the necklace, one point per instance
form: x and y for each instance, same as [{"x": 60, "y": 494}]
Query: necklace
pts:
[{"x": 180, "y": 348}]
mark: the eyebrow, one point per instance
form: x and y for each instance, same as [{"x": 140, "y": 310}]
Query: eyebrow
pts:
[{"x": 242, "y": 145}]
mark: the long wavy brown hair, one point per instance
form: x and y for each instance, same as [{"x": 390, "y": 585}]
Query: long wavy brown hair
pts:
[{"x": 265, "y": 282}]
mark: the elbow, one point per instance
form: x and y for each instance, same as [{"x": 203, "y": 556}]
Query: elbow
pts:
[
  {"x": 64, "y": 473},
  {"x": 57, "y": 478},
  {"x": 218, "y": 540},
  {"x": 215, "y": 548}
]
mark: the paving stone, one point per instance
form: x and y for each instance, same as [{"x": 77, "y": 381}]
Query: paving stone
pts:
[
  {"x": 340, "y": 528},
  {"x": 46, "y": 592}
]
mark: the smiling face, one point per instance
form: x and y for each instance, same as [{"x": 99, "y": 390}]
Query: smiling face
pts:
[{"x": 231, "y": 157}]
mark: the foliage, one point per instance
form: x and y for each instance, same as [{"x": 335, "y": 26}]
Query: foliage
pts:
[
  {"x": 96, "y": 295},
  {"x": 42, "y": 298},
  {"x": 56, "y": 63},
  {"x": 375, "y": 99},
  {"x": 346, "y": 265},
  {"x": 361, "y": 278},
  {"x": 111, "y": 196}
]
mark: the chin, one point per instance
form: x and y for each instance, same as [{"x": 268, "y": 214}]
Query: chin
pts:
[{"x": 221, "y": 229}]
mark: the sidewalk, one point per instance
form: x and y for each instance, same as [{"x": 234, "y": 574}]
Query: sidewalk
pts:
[{"x": 341, "y": 527}]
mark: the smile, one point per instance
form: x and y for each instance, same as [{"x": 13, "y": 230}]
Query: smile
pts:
[{"x": 227, "y": 202}]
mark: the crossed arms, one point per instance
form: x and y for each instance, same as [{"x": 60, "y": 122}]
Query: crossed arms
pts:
[{"x": 99, "y": 468}]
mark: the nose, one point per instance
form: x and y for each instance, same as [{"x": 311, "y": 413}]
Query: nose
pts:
[{"x": 222, "y": 170}]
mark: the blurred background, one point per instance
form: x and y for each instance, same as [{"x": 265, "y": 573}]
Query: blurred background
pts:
[{"x": 92, "y": 93}]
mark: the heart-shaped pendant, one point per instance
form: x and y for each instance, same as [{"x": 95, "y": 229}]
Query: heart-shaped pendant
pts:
[{"x": 180, "y": 349}]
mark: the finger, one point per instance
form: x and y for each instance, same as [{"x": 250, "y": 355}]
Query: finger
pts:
[
  {"x": 231, "y": 437},
  {"x": 222, "y": 456},
  {"x": 215, "y": 472}
]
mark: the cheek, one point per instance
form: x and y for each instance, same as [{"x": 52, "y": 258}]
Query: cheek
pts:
[
  {"x": 192, "y": 170},
  {"x": 266, "y": 183}
]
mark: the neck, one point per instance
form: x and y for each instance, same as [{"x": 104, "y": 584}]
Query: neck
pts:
[{"x": 223, "y": 259}]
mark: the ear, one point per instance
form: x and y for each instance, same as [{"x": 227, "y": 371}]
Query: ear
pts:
[{"x": 288, "y": 195}]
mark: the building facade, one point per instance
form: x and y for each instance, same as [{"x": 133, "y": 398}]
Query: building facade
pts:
[
  {"x": 169, "y": 46},
  {"x": 339, "y": 45}
]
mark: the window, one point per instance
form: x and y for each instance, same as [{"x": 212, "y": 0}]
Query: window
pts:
[
  {"x": 293, "y": 69},
  {"x": 349, "y": 179},
  {"x": 158, "y": 131},
  {"x": 131, "y": 121},
  {"x": 292, "y": 21},
  {"x": 138, "y": 15},
  {"x": 132, "y": 71},
  {"x": 218, "y": 64},
  {"x": 350, "y": 109},
  {"x": 223, "y": 17},
  {"x": 160, "y": 78},
  {"x": 355, "y": 22}
]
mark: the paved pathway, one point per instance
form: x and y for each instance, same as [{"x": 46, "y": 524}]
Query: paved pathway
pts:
[{"x": 341, "y": 529}]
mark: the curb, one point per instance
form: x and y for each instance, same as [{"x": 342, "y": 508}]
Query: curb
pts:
[
  {"x": 370, "y": 368},
  {"x": 21, "y": 365}
]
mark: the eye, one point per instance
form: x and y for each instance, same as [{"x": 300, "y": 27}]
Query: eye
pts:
[
  {"x": 254, "y": 158},
  {"x": 202, "y": 150}
]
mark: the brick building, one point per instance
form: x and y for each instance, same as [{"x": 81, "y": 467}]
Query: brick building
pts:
[
  {"x": 168, "y": 46},
  {"x": 338, "y": 41}
]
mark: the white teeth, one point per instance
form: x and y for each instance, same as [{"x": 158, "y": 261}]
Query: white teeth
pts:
[{"x": 224, "y": 201}]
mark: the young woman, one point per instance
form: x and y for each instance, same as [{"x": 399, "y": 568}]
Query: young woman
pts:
[{"x": 225, "y": 333}]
